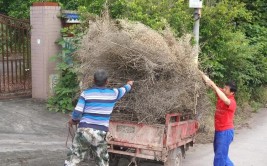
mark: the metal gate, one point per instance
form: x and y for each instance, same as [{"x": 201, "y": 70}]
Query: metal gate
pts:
[{"x": 15, "y": 62}]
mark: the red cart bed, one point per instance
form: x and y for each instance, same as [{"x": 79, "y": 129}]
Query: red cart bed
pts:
[{"x": 166, "y": 143}]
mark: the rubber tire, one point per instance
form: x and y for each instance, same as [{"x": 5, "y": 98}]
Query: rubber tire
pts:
[
  {"x": 114, "y": 160},
  {"x": 174, "y": 158}
]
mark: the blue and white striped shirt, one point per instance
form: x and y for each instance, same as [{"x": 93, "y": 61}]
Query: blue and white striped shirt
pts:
[{"x": 95, "y": 106}]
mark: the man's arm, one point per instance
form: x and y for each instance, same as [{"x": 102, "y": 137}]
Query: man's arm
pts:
[
  {"x": 78, "y": 110},
  {"x": 217, "y": 90},
  {"x": 123, "y": 90}
]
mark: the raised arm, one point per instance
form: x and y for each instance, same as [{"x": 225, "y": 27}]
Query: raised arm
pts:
[
  {"x": 123, "y": 90},
  {"x": 217, "y": 90}
]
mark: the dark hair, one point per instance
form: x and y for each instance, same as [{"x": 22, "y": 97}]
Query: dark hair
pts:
[
  {"x": 232, "y": 85},
  {"x": 100, "y": 77}
]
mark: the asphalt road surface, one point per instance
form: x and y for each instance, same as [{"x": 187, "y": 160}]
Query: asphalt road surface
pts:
[
  {"x": 249, "y": 147},
  {"x": 32, "y": 136}
]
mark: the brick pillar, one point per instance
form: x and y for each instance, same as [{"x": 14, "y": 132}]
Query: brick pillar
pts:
[{"x": 45, "y": 31}]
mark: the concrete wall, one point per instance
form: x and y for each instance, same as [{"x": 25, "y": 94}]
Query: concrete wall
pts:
[{"x": 45, "y": 31}]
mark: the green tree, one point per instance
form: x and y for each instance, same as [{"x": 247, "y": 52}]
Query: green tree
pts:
[
  {"x": 227, "y": 52},
  {"x": 256, "y": 29},
  {"x": 155, "y": 13},
  {"x": 233, "y": 33},
  {"x": 17, "y": 8}
]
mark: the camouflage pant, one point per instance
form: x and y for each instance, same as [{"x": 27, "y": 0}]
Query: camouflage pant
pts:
[{"x": 88, "y": 140}]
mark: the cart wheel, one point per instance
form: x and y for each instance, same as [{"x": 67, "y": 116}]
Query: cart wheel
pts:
[
  {"x": 174, "y": 158},
  {"x": 114, "y": 160}
]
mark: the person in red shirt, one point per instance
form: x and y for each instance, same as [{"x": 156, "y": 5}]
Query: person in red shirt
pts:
[{"x": 224, "y": 121}]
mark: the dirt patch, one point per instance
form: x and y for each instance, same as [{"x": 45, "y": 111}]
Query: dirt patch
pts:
[
  {"x": 243, "y": 116},
  {"x": 206, "y": 130}
]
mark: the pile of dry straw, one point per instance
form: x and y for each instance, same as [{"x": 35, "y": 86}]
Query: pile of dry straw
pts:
[{"x": 166, "y": 78}]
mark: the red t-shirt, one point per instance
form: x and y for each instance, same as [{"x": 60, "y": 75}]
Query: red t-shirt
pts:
[{"x": 224, "y": 115}]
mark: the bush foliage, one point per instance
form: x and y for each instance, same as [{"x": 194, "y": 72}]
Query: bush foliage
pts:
[{"x": 232, "y": 35}]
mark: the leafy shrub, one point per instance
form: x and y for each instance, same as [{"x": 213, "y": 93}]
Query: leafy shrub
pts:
[{"x": 65, "y": 91}]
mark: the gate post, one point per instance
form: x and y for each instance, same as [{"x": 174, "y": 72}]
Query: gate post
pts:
[{"x": 46, "y": 25}]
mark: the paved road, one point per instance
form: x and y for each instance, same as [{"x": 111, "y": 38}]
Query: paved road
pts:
[
  {"x": 248, "y": 149},
  {"x": 32, "y": 136}
]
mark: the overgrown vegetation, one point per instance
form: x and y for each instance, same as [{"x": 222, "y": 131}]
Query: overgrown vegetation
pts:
[
  {"x": 228, "y": 53},
  {"x": 167, "y": 80},
  {"x": 233, "y": 34},
  {"x": 67, "y": 87}
]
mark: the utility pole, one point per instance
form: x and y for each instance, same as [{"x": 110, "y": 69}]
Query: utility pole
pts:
[
  {"x": 197, "y": 5},
  {"x": 197, "y": 15}
]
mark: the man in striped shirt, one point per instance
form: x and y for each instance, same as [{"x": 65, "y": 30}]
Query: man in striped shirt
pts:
[{"x": 92, "y": 112}]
